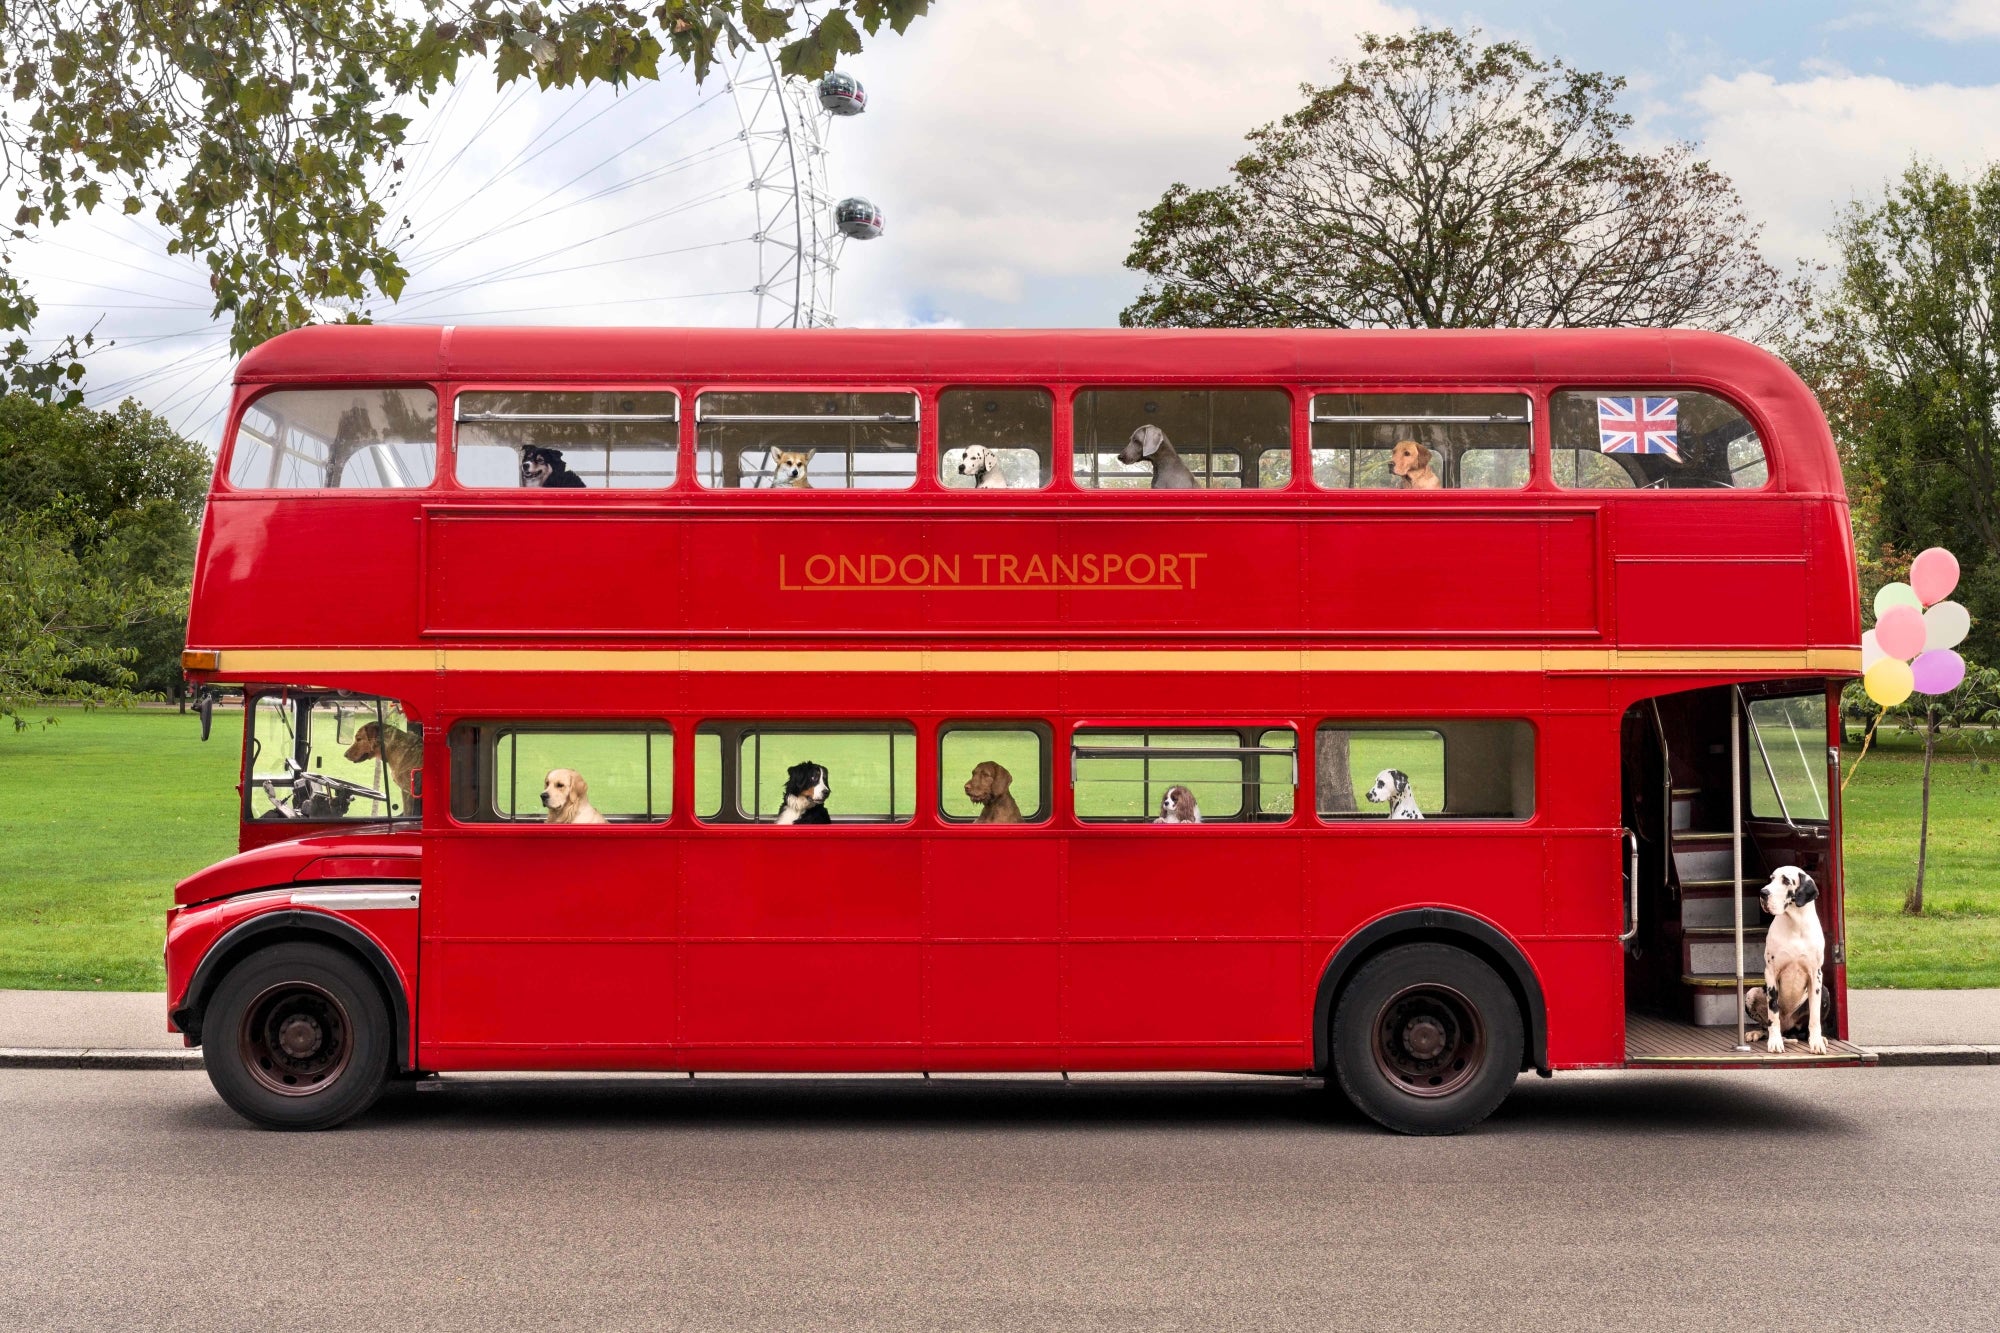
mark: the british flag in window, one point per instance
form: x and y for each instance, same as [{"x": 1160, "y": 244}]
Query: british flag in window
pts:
[{"x": 1639, "y": 425}]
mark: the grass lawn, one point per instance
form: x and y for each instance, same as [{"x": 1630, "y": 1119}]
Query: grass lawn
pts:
[{"x": 100, "y": 814}]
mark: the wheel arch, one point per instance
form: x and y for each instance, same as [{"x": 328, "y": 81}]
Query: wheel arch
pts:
[
  {"x": 1435, "y": 925},
  {"x": 295, "y": 924}
]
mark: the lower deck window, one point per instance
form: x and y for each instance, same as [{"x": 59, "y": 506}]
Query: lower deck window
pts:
[
  {"x": 320, "y": 756},
  {"x": 994, "y": 773},
  {"x": 1207, "y": 774},
  {"x": 561, "y": 773},
  {"x": 806, "y": 773},
  {"x": 1477, "y": 769}
]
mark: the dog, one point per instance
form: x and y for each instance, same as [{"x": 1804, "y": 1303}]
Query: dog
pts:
[
  {"x": 1393, "y": 785},
  {"x": 543, "y": 467},
  {"x": 1794, "y": 964},
  {"x": 983, "y": 466},
  {"x": 806, "y": 790},
  {"x": 565, "y": 796},
  {"x": 1150, "y": 444},
  {"x": 990, "y": 787},
  {"x": 1412, "y": 462},
  {"x": 402, "y": 752},
  {"x": 788, "y": 470},
  {"x": 1177, "y": 806}
]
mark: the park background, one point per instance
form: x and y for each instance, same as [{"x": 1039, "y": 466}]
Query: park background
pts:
[{"x": 1822, "y": 178}]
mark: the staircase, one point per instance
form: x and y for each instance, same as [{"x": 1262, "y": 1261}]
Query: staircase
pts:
[{"x": 1702, "y": 869}]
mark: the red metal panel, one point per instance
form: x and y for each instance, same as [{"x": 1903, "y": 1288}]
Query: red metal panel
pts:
[
  {"x": 1427, "y": 575},
  {"x": 551, "y": 572}
]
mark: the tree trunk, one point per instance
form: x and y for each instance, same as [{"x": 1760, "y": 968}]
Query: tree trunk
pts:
[
  {"x": 1913, "y": 902},
  {"x": 1333, "y": 777}
]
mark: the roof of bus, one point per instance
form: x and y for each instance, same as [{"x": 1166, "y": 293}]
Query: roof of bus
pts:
[{"x": 861, "y": 357}]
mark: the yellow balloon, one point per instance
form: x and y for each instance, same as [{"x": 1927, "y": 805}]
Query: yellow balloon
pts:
[{"x": 1889, "y": 682}]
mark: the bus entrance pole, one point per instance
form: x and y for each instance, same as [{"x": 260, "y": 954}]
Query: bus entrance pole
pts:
[{"x": 1736, "y": 847}]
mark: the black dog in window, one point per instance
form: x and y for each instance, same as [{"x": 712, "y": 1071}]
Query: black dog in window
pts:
[
  {"x": 806, "y": 790},
  {"x": 544, "y": 467}
]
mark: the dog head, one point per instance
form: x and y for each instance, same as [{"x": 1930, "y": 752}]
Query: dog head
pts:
[
  {"x": 563, "y": 792},
  {"x": 1409, "y": 457},
  {"x": 1177, "y": 806},
  {"x": 1391, "y": 784},
  {"x": 539, "y": 463},
  {"x": 1789, "y": 887},
  {"x": 1145, "y": 442},
  {"x": 988, "y": 783},
  {"x": 789, "y": 468},
  {"x": 978, "y": 460},
  {"x": 808, "y": 780},
  {"x": 367, "y": 743}
]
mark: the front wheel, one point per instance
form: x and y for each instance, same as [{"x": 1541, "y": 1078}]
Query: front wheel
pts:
[
  {"x": 297, "y": 1037},
  {"x": 1427, "y": 1039}
]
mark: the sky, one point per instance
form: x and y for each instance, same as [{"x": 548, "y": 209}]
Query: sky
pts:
[{"x": 1011, "y": 145}]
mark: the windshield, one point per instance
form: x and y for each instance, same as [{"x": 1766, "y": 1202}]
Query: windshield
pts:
[{"x": 323, "y": 756}]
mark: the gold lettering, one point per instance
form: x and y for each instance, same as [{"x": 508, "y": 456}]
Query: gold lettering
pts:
[
  {"x": 1132, "y": 569},
  {"x": 984, "y": 561},
  {"x": 1009, "y": 572},
  {"x": 1089, "y": 564},
  {"x": 881, "y": 569},
  {"x": 825, "y": 562},
  {"x": 852, "y": 572},
  {"x": 1037, "y": 571},
  {"x": 1194, "y": 567},
  {"x": 1170, "y": 571},
  {"x": 917, "y": 578},
  {"x": 1113, "y": 566},
  {"x": 1063, "y": 568},
  {"x": 942, "y": 572}
]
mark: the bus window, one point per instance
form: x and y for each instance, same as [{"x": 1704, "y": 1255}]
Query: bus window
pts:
[
  {"x": 350, "y": 439},
  {"x": 1453, "y": 769},
  {"x": 809, "y": 441},
  {"x": 604, "y": 772},
  {"x": 1231, "y": 775},
  {"x": 782, "y": 772},
  {"x": 1421, "y": 441},
  {"x": 1653, "y": 440},
  {"x": 1201, "y": 439},
  {"x": 996, "y": 439},
  {"x": 1788, "y": 768},
  {"x": 994, "y": 773},
  {"x": 567, "y": 441},
  {"x": 322, "y": 756}
]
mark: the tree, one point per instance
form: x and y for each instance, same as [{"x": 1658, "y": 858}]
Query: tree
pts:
[
  {"x": 1972, "y": 710},
  {"x": 1442, "y": 183},
  {"x": 1905, "y": 354},
  {"x": 256, "y": 132}
]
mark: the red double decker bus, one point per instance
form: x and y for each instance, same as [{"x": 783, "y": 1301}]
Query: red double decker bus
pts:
[{"x": 1410, "y": 709}]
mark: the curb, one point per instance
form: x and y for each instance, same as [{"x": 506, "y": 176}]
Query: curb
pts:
[
  {"x": 1937, "y": 1055},
  {"x": 98, "y": 1057}
]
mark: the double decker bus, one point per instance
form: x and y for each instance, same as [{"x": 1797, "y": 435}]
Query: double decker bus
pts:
[{"x": 1409, "y": 709}]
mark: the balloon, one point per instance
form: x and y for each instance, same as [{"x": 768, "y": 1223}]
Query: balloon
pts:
[
  {"x": 1871, "y": 651},
  {"x": 1900, "y": 632},
  {"x": 1933, "y": 574},
  {"x": 1937, "y": 672},
  {"x": 1889, "y": 682},
  {"x": 1945, "y": 626},
  {"x": 1896, "y": 594}
]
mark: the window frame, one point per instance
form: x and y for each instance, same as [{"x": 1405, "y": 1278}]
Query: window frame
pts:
[
  {"x": 291, "y": 695},
  {"x": 1243, "y": 816},
  {"x": 503, "y": 725},
  {"x": 1757, "y": 760},
  {"x": 1535, "y": 422},
  {"x": 233, "y": 439},
  {"x": 933, "y": 438},
  {"x": 730, "y": 813},
  {"x": 1622, "y": 388},
  {"x": 1069, "y": 449},
  {"x": 1043, "y": 730},
  {"x": 682, "y": 452},
  {"x": 1438, "y": 725},
  {"x": 926, "y": 433}
]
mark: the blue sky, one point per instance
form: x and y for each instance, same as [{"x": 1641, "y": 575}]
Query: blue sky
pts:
[{"x": 1012, "y": 144}]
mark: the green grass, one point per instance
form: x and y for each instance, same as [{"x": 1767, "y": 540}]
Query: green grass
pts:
[{"x": 102, "y": 813}]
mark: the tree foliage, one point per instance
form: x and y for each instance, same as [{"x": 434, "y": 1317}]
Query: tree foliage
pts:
[
  {"x": 263, "y": 135},
  {"x": 1445, "y": 183}
]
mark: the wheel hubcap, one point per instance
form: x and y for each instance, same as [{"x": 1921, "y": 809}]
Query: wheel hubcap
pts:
[
  {"x": 1429, "y": 1040},
  {"x": 295, "y": 1038}
]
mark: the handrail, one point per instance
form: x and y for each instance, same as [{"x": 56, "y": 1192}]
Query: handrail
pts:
[
  {"x": 1632, "y": 893},
  {"x": 1736, "y": 716}
]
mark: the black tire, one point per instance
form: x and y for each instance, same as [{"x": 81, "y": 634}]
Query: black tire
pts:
[
  {"x": 297, "y": 1036},
  {"x": 1427, "y": 1039}
]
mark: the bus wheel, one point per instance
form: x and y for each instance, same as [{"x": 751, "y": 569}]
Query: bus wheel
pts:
[
  {"x": 1426, "y": 1039},
  {"x": 297, "y": 1037}
]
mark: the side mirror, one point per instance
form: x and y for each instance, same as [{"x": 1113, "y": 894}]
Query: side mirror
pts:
[{"x": 205, "y": 706}]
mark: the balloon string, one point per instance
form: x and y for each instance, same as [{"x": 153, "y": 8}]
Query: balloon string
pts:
[{"x": 1867, "y": 739}]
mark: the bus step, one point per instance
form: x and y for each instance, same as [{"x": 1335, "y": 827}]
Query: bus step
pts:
[
  {"x": 1712, "y": 996},
  {"x": 1713, "y": 951},
  {"x": 1711, "y": 910},
  {"x": 1703, "y": 861}
]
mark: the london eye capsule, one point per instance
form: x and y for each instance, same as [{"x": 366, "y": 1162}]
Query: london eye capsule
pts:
[
  {"x": 858, "y": 219},
  {"x": 842, "y": 94}
]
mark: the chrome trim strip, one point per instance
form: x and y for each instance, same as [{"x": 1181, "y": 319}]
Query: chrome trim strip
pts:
[{"x": 360, "y": 898}]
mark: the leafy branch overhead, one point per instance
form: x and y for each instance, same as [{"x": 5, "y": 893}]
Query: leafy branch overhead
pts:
[
  {"x": 262, "y": 135},
  {"x": 1445, "y": 183}
]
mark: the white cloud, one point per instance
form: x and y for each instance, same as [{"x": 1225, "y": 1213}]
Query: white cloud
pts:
[{"x": 1958, "y": 18}]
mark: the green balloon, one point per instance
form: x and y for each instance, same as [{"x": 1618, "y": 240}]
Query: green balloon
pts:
[{"x": 1896, "y": 594}]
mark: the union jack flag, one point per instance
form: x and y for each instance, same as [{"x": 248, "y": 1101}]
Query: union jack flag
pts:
[{"x": 1639, "y": 426}]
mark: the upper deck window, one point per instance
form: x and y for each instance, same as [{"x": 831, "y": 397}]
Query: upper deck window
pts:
[
  {"x": 996, "y": 439},
  {"x": 604, "y": 440},
  {"x": 1653, "y": 440},
  {"x": 814, "y": 440},
  {"x": 1421, "y": 441},
  {"x": 1183, "y": 439},
  {"x": 350, "y": 439}
]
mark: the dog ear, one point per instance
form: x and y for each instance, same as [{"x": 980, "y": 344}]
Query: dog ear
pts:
[
  {"x": 1002, "y": 780},
  {"x": 578, "y": 788},
  {"x": 1154, "y": 439},
  {"x": 1806, "y": 891}
]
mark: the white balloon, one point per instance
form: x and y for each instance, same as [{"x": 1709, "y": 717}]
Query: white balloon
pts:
[
  {"x": 1871, "y": 651},
  {"x": 1945, "y": 626}
]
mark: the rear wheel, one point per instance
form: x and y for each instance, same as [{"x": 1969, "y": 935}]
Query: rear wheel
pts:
[
  {"x": 297, "y": 1037},
  {"x": 1426, "y": 1039}
]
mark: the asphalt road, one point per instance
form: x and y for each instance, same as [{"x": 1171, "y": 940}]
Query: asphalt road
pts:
[{"x": 1804, "y": 1199}]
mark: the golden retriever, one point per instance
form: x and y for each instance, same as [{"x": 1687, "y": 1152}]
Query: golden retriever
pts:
[
  {"x": 990, "y": 787},
  {"x": 401, "y": 751},
  {"x": 1412, "y": 462},
  {"x": 565, "y": 795}
]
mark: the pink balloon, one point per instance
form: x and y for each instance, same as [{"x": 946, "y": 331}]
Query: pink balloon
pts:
[
  {"x": 1933, "y": 574},
  {"x": 1938, "y": 671},
  {"x": 1900, "y": 631}
]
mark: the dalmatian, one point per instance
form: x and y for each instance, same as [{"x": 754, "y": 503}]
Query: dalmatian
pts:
[{"x": 1393, "y": 785}]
